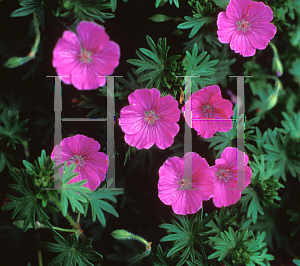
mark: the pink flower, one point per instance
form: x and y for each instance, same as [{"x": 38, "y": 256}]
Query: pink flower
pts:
[
  {"x": 226, "y": 171},
  {"x": 210, "y": 112},
  {"x": 246, "y": 26},
  {"x": 81, "y": 59},
  {"x": 150, "y": 119},
  {"x": 185, "y": 183},
  {"x": 91, "y": 164}
]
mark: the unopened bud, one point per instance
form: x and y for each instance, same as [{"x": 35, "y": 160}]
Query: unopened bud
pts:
[
  {"x": 14, "y": 62},
  {"x": 68, "y": 4},
  {"x": 272, "y": 99},
  {"x": 121, "y": 234},
  {"x": 19, "y": 224},
  {"x": 159, "y": 18},
  {"x": 277, "y": 66}
]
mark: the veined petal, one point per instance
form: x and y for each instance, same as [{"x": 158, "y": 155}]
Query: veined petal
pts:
[{"x": 92, "y": 36}]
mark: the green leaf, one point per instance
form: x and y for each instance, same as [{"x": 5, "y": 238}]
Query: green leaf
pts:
[
  {"x": 159, "y": 3},
  {"x": 199, "y": 66},
  {"x": 187, "y": 235},
  {"x": 97, "y": 203},
  {"x": 28, "y": 207},
  {"x": 28, "y": 7},
  {"x": 297, "y": 262},
  {"x": 156, "y": 67},
  {"x": 222, "y": 3},
  {"x": 195, "y": 23},
  {"x": 72, "y": 252},
  {"x": 75, "y": 193}
]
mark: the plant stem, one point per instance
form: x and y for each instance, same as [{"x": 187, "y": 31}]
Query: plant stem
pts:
[
  {"x": 69, "y": 218},
  {"x": 58, "y": 228},
  {"x": 37, "y": 39}
]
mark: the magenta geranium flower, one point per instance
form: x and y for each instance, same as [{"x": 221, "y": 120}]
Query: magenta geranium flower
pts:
[
  {"x": 80, "y": 59},
  {"x": 91, "y": 164},
  {"x": 246, "y": 26},
  {"x": 226, "y": 171},
  {"x": 210, "y": 112},
  {"x": 150, "y": 119},
  {"x": 185, "y": 183}
]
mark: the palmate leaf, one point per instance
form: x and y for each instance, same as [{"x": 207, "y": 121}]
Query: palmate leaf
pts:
[
  {"x": 27, "y": 207},
  {"x": 28, "y": 7},
  {"x": 75, "y": 193},
  {"x": 97, "y": 203},
  {"x": 162, "y": 2},
  {"x": 160, "y": 70},
  {"x": 240, "y": 248},
  {"x": 194, "y": 23},
  {"x": 264, "y": 186},
  {"x": 187, "y": 235},
  {"x": 199, "y": 66},
  {"x": 72, "y": 252}
]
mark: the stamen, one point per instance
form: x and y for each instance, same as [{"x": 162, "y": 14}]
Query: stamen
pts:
[{"x": 151, "y": 117}]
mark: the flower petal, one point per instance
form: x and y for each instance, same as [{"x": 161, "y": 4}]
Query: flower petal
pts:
[
  {"x": 92, "y": 36},
  {"x": 241, "y": 44}
]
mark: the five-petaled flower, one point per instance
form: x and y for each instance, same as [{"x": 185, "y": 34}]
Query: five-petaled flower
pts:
[
  {"x": 210, "y": 112},
  {"x": 85, "y": 59},
  {"x": 246, "y": 26},
  {"x": 90, "y": 164},
  {"x": 150, "y": 119},
  {"x": 226, "y": 172},
  {"x": 185, "y": 183}
]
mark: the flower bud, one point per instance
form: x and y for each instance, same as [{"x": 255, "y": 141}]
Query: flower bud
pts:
[
  {"x": 121, "y": 234},
  {"x": 68, "y": 4},
  {"x": 14, "y": 62},
  {"x": 159, "y": 18},
  {"x": 277, "y": 66},
  {"x": 272, "y": 99}
]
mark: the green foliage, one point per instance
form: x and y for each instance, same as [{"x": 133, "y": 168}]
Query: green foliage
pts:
[
  {"x": 75, "y": 193},
  {"x": 297, "y": 262},
  {"x": 160, "y": 258},
  {"x": 160, "y": 70},
  {"x": 42, "y": 175},
  {"x": 96, "y": 200},
  {"x": 72, "y": 252},
  {"x": 188, "y": 236},
  {"x": 221, "y": 140},
  {"x": 199, "y": 19},
  {"x": 86, "y": 10},
  {"x": 295, "y": 218},
  {"x": 237, "y": 248},
  {"x": 285, "y": 151},
  {"x": 159, "y": 3},
  {"x": 224, "y": 219},
  {"x": 222, "y": 3},
  {"x": 12, "y": 133},
  {"x": 291, "y": 125},
  {"x": 195, "y": 65},
  {"x": 27, "y": 207},
  {"x": 28, "y": 7},
  {"x": 264, "y": 191}
]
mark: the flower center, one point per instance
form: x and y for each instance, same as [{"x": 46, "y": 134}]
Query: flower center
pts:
[
  {"x": 151, "y": 117},
  {"x": 224, "y": 174},
  {"x": 208, "y": 111},
  {"x": 85, "y": 57},
  {"x": 243, "y": 25},
  {"x": 185, "y": 183},
  {"x": 78, "y": 160}
]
